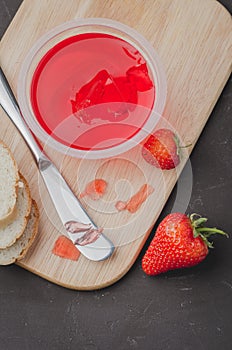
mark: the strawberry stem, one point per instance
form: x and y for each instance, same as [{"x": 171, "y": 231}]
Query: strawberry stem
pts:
[
  {"x": 178, "y": 146},
  {"x": 211, "y": 231},
  {"x": 204, "y": 232},
  {"x": 188, "y": 145}
]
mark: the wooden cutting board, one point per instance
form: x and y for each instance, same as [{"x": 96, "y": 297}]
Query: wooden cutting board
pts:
[{"x": 193, "y": 39}]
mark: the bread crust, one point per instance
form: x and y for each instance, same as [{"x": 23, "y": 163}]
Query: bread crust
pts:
[
  {"x": 35, "y": 231},
  {"x": 22, "y": 253},
  {"x": 26, "y": 216},
  {"x": 10, "y": 212}
]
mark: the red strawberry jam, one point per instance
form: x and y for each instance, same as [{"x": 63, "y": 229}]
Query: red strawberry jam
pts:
[{"x": 92, "y": 91}]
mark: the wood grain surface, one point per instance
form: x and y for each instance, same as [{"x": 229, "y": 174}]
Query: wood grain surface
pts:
[{"x": 194, "y": 41}]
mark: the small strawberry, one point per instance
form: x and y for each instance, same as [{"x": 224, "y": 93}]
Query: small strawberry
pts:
[
  {"x": 162, "y": 149},
  {"x": 180, "y": 241}
]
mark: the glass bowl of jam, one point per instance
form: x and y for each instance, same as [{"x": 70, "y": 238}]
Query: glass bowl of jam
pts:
[{"x": 93, "y": 88}]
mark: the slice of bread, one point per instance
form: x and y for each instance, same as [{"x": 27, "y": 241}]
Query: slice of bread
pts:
[
  {"x": 9, "y": 178},
  {"x": 19, "y": 249},
  {"x": 10, "y": 232}
]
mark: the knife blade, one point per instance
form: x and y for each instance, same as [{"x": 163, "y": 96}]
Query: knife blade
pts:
[
  {"x": 80, "y": 228},
  {"x": 83, "y": 232}
]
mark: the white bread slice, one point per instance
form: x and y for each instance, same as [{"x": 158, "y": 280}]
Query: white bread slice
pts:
[
  {"x": 9, "y": 178},
  {"x": 12, "y": 231},
  {"x": 19, "y": 249}
]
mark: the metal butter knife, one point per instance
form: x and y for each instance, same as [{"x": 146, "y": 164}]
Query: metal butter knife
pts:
[{"x": 86, "y": 236}]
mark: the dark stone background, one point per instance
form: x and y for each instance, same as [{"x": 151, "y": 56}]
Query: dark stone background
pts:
[{"x": 186, "y": 309}]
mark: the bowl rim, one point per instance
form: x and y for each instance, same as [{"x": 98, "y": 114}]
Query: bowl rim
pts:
[{"x": 152, "y": 59}]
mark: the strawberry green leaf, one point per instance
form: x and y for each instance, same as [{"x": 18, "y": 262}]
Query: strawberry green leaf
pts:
[
  {"x": 199, "y": 222},
  {"x": 209, "y": 231},
  {"x": 195, "y": 233},
  {"x": 204, "y": 232}
]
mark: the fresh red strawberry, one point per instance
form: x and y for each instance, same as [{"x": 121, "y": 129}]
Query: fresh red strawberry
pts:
[
  {"x": 180, "y": 241},
  {"x": 162, "y": 149}
]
